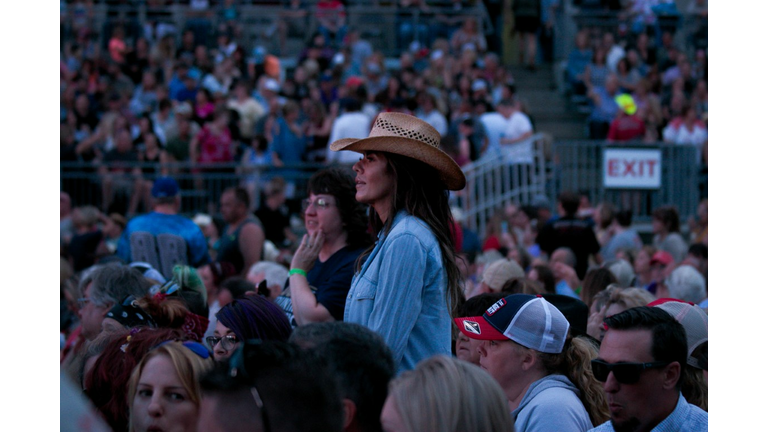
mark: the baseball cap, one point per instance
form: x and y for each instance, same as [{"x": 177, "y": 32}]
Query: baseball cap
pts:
[
  {"x": 574, "y": 310},
  {"x": 165, "y": 187},
  {"x": 694, "y": 320},
  {"x": 622, "y": 270},
  {"x": 489, "y": 256},
  {"x": 662, "y": 257},
  {"x": 626, "y": 103},
  {"x": 498, "y": 272},
  {"x": 529, "y": 320}
]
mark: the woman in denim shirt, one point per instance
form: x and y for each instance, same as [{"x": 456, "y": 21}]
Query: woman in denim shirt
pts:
[{"x": 407, "y": 285}]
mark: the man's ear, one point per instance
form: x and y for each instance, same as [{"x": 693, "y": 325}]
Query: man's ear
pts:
[
  {"x": 672, "y": 374},
  {"x": 350, "y": 410}
]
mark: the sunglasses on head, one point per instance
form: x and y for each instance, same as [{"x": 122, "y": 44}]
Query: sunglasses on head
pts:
[{"x": 625, "y": 373}]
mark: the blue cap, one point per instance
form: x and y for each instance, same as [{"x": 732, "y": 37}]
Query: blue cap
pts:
[{"x": 165, "y": 187}]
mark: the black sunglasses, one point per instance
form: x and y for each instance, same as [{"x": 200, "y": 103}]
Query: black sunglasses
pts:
[{"x": 625, "y": 373}]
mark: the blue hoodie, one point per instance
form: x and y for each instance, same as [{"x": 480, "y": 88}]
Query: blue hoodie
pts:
[{"x": 551, "y": 404}]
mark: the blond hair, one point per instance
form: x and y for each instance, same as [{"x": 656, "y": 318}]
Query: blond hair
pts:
[
  {"x": 629, "y": 297},
  {"x": 575, "y": 363},
  {"x": 694, "y": 387},
  {"x": 445, "y": 394},
  {"x": 189, "y": 368}
]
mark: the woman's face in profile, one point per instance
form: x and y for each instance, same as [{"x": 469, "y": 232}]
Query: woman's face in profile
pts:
[
  {"x": 374, "y": 182},
  {"x": 161, "y": 402}
]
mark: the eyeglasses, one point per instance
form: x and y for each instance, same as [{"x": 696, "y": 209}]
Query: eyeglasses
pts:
[
  {"x": 82, "y": 301},
  {"x": 320, "y": 203},
  {"x": 625, "y": 373},
  {"x": 227, "y": 342}
]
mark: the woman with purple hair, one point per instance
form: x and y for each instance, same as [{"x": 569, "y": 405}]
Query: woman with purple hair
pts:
[{"x": 247, "y": 317}]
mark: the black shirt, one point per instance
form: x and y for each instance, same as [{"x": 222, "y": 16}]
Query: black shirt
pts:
[{"x": 572, "y": 233}]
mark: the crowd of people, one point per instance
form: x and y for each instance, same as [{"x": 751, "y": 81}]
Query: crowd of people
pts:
[
  {"x": 379, "y": 309},
  {"x": 639, "y": 83},
  {"x": 532, "y": 330}
]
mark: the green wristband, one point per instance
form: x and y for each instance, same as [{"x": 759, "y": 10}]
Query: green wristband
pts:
[{"x": 297, "y": 271}]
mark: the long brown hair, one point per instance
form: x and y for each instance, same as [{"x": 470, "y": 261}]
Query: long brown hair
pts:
[{"x": 419, "y": 191}]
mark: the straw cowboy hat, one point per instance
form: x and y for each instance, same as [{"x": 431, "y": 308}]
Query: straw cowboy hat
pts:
[{"x": 409, "y": 136}]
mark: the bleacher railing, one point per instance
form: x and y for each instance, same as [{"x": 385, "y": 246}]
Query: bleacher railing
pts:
[
  {"x": 493, "y": 182},
  {"x": 201, "y": 184}
]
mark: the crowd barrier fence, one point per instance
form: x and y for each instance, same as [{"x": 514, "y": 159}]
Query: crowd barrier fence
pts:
[
  {"x": 492, "y": 182},
  {"x": 579, "y": 166}
]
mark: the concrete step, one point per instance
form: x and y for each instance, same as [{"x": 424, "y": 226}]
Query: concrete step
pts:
[{"x": 544, "y": 101}]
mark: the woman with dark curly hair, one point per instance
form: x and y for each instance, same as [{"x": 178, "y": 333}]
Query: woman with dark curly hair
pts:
[{"x": 337, "y": 234}]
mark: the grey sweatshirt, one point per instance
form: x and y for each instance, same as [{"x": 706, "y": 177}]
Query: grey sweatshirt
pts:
[{"x": 551, "y": 404}]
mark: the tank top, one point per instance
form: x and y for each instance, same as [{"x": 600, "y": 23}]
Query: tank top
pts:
[{"x": 229, "y": 246}]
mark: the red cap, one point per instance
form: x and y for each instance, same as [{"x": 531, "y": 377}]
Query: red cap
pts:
[
  {"x": 478, "y": 328},
  {"x": 667, "y": 300},
  {"x": 354, "y": 81},
  {"x": 662, "y": 257}
]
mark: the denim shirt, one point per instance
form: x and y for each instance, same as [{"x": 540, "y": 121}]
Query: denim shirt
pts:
[{"x": 400, "y": 293}]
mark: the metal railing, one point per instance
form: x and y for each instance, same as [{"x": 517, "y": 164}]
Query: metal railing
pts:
[
  {"x": 201, "y": 184},
  {"x": 493, "y": 182},
  {"x": 578, "y": 165}
]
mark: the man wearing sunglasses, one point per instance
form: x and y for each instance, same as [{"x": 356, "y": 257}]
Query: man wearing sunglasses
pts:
[{"x": 640, "y": 364}]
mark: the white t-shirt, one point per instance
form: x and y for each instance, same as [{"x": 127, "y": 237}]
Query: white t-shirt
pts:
[
  {"x": 679, "y": 134},
  {"x": 495, "y": 124},
  {"x": 348, "y": 125},
  {"x": 519, "y": 152},
  {"x": 517, "y": 125},
  {"x": 436, "y": 120}
]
